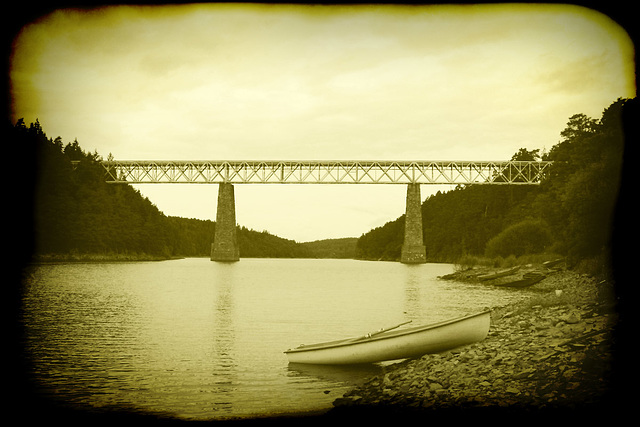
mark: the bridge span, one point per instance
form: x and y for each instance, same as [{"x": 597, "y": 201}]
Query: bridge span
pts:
[
  {"x": 411, "y": 173},
  {"x": 325, "y": 172}
]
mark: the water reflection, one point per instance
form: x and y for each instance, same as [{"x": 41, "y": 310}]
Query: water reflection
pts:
[
  {"x": 425, "y": 296},
  {"x": 412, "y": 288},
  {"x": 338, "y": 374},
  {"x": 224, "y": 360},
  {"x": 205, "y": 340}
]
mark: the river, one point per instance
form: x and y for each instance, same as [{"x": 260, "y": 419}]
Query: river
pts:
[{"x": 201, "y": 340}]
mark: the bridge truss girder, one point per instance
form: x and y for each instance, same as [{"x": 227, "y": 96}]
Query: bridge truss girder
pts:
[
  {"x": 326, "y": 172},
  {"x": 411, "y": 173}
]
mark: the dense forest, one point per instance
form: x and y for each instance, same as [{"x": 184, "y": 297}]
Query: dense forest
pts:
[
  {"x": 570, "y": 213},
  {"x": 75, "y": 213}
]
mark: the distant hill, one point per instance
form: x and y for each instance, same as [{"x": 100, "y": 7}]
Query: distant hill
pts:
[{"x": 344, "y": 248}]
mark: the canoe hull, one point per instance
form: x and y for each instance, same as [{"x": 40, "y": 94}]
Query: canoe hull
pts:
[
  {"x": 498, "y": 274},
  {"x": 402, "y": 344},
  {"x": 527, "y": 280}
]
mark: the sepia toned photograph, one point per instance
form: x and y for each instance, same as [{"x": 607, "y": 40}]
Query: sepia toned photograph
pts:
[{"x": 451, "y": 239}]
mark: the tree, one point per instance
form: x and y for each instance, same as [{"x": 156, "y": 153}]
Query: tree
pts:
[
  {"x": 571, "y": 209},
  {"x": 527, "y": 237},
  {"x": 579, "y": 126},
  {"x": 589, "y": 189},
  {"x": 525, "y": 155},
  {"x": 73, "y": 151}
]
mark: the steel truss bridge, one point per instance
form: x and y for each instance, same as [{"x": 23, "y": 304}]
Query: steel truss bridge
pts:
[
  {"x": 326, "y": 172},
  {"x": 225, "y": 246}
]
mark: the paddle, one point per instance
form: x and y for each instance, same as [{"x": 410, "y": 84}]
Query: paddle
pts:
[{"x": 370, "y": 334}]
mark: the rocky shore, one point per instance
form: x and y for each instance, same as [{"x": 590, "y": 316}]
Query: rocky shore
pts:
[{"x": 551, "y": 351}]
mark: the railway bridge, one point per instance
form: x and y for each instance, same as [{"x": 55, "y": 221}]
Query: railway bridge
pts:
[{"x": 410, "y": 173}]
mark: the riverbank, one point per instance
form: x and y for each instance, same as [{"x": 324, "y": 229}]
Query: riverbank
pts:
[
  {"x": 98, "y": 257},
  {"x": 553, "y": 351}
]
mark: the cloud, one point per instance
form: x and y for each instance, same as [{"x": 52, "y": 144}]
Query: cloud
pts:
[{"x": 243, "y": 81}]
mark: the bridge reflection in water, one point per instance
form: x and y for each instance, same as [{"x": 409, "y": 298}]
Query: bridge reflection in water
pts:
[{"x": 411, "y": 173}]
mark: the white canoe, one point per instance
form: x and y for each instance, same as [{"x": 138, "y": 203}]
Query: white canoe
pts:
[{"x": 396, "y": 344}]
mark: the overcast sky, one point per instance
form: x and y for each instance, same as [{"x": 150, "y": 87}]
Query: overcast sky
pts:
[{"x": 239, "y": 82}]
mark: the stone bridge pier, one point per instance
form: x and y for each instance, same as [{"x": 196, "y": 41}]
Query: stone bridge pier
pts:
[
  {"x": 413, "y": 248},
  {"x": 225, "y": 241},
  {"x": 225, "y": 244}
]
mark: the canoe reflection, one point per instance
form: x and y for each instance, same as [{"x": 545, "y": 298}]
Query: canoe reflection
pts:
[{"x": 351, "y": 374}]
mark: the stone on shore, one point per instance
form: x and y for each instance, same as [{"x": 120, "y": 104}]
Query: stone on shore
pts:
[{"x": 553, "y": 350}]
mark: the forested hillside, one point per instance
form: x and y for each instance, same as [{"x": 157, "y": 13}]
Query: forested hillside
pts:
[
  {"x": 333, "y": 248},
  {"x": 569, "y": 213},
  {"x": 76, "y": 214}
]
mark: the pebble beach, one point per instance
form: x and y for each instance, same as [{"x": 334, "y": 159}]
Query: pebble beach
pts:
[{"x": 551, "y": 352}]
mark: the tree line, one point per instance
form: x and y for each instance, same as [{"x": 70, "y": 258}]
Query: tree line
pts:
[{"x": 569, "y": 213}]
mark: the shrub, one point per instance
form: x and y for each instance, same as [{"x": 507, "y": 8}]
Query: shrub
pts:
[{"x": 527, "y": 237}]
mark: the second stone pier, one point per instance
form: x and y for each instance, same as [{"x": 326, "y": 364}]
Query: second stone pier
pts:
[
  {"x": 413, "y": 248},
  {"x": 225, "y": 242}
]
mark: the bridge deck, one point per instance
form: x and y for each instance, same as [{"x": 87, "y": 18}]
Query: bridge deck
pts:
[{"x": 326, "y": 172}]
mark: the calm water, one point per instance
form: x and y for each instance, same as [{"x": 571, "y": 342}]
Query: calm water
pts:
[{"x": 202, "y": 340}]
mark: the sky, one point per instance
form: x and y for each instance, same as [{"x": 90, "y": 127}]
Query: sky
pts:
[{"x": 265, "y": 82}]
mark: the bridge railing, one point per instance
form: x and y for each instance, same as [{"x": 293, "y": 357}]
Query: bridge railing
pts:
[{"x": 326, "y": 172}]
